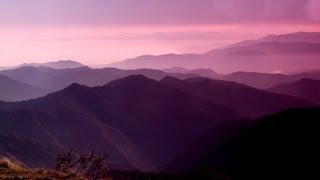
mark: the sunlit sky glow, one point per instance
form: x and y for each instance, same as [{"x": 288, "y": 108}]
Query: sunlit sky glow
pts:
[{"x": 98, "y": 32}]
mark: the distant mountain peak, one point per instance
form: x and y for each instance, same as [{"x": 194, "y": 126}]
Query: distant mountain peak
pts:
[
  {"x": 132, "y": 80},
  {"x": 61, "y": 64},
  {"x": 169, "y": 79}
]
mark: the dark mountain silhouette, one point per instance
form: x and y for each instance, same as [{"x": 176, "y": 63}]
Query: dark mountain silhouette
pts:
[
  {"x": 279, "y": 146},
  {"x": 139, "y": 122},
  {"x": 249, "y": 102},
  {"x": 308, "y": 89},
  {"x": 62, "y": 64},
  {"x": 12, "y": 90},
  {"x": 57, "y": 79}
]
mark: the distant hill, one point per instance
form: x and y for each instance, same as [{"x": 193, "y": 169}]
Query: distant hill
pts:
[
  {"x": 308, "y": 89},
  {"x": 201, "y": 72},
  {"x": 267, "y": 80},
  {"x": 35, "y": 75},
  {"x": 258, "y": 80},
  {"x": 12, "y": 90},
  {"x": 310, "y": 37},
  {"x": 248, "y": 101},
  {"x": 62, "y": 64},
  {"x": 275, "y": 47},
  {"x": 271, "y": 148}
]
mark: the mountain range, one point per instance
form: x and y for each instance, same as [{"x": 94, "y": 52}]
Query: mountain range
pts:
[
  {"x": 235, "y": 111},
  {"x": 31, "y": 82},
  {"x": 136, "y": 138},
  {"x": 287, "y": 53}
]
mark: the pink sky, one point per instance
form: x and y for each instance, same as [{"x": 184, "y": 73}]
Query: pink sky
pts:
[{"x": 97, "y": 32}]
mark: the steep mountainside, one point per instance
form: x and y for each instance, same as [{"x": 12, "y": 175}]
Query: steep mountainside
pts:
[{"x": 139, "y": 122}]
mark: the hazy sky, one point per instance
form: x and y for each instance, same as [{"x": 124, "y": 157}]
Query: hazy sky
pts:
[{"x": 101, "y": 31}]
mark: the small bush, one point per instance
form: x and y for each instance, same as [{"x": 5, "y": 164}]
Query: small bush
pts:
[{"x": 90, "y": 165}]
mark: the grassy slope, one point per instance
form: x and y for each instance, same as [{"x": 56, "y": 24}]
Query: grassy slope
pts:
[{"x": 12, "y": 170}]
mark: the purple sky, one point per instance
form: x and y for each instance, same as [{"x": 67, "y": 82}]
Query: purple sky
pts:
[{"x": 101, "y": 31}]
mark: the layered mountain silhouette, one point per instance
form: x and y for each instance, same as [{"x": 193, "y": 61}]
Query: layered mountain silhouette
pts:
[
  {"x": 267, "y": 80},
  {"x": 279, "y": 146},
  {"x": 57, "y": 79},
  {"x": 287, "y": 53},
  {"x": 141, "y": 123},
  {"x": 12, "y": 90},
  {"x": 308, "y": 89},
  {"x": 253, "y": 119}
]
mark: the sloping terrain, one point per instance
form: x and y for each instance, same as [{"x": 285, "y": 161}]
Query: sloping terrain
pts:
[
  {"x": 279, "y": 146},
  {"x": 12, "y": 90},
  {"x": 308, "y": 89}
]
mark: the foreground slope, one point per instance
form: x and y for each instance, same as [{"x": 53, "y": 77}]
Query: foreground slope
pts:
[
  {"x": 279, "y": 146},
  {"x": 30, "y": 151}
]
